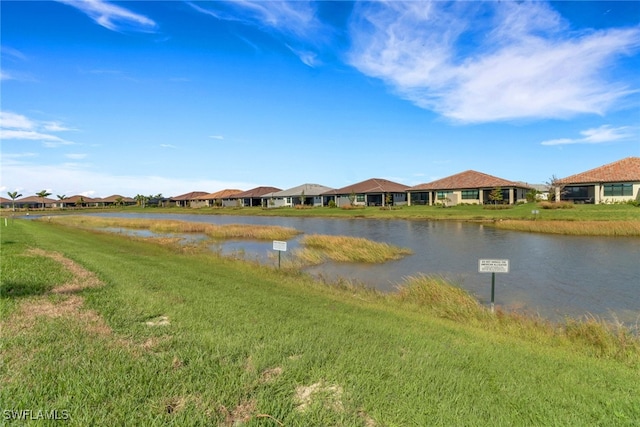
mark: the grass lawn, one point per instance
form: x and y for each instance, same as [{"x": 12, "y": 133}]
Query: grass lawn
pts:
[{"x": 109, "y": 330}]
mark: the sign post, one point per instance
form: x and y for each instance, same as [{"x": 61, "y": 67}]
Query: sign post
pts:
[
  {"x": 280, "y": 247},
  {"x": 493, "y": 266}
]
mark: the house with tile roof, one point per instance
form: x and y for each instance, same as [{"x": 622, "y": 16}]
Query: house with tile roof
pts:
[
  {"x": 305, "y": 194},
  {"x": 249, "y": 198},
  {"x": 216, "y": 199},
  {"x": 611, "y": 183},
  {"x": 78, "y": 201},
  {"x": 192, "y": 199},
  {"x": 371, "y": 192},
  {"x": 467, "y": 187},
  {"x": 115, "y": 200}
]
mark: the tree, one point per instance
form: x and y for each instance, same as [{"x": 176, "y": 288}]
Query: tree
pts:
[
  {"x": 61, "y": 198},
  {"x": 352, "y": 198},
  {"x": 302, "y": 198},
  {"x": 555, "y": 188},
  {"x": 14, "y": 195},
  {"x": 496, "y": 195},
  {"x": 388, "y": 199},
  {"x": 532, "y": 195},
  {"x": 42, "y": 195},
  {"x": 119, "y": 201},
  {"x": 142, "y": 200}
]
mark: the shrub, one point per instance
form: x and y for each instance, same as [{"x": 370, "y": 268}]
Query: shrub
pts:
[{"x": 556, "y": 205}]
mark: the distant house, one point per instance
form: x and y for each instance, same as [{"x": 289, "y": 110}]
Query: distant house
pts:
[
  {"x": 372, "y": 192},
  {"x": 190, "y": 200},
  {"x": 249, "y": 198},
  {"x": 614, "y": 182},
  {"x": 217, "y": 198},
  {"x": 116, "y": 200},
  {"x": 6, "y": 203},
  {"x": 78, "y": 201},
  {"x": 34, "y": 202},
  {"x": 305, "y": 194},
  {"x": 467, "y": 187}
]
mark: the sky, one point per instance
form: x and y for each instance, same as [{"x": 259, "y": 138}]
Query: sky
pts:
[{"x": 168, "y": 97}]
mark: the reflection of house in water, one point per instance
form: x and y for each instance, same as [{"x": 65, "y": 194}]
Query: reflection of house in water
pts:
[{"x": 614, "y": 182}]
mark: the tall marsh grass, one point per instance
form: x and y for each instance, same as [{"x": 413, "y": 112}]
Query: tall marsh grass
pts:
[
  {"x": 597, "y": 336},
  {"x": 228, "y": 231},
  {"x": 575, "y": 228},
  {"x": 347, "y": 249}
]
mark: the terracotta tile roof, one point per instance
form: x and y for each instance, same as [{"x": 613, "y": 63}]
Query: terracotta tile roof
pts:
[
  {"x": 35, "y": 199},
  {"x": 114, "y": 198},
  {"x": 467, "y": 179},
  {"x": 625, "y": 170},
  {"x": 76, "y": 199},
  {"x": 255, "y": 192},
  {"x": 373, "y": 185},
  {"x": 194, "y": 195},
  {"x": 222, "y": 194}
]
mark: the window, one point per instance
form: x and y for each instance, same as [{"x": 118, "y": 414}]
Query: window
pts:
[
  {"x": 443, "y": 194},
  {"x": 618, "y": 190},
  {"x": 360, "y": 198},
  {"x": 470, "y": 194}
]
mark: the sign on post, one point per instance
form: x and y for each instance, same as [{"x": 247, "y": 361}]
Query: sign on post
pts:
[
  {"x": 279, "y": 246},
  {"x": 493, "y": 266}
]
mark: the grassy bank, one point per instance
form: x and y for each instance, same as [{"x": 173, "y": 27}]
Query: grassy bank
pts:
[{"x": 117, "y": 331}]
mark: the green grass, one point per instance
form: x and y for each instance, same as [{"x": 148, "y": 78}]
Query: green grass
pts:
[
  {"x": 317, "y": 247},
  {"x": 244, "y": 343}
]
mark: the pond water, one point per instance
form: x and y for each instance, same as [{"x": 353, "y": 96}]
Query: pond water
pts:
[{"x": 554, "y": 276}]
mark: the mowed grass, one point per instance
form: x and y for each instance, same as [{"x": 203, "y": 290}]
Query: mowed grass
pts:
[
  {"x": 193, "y": 339},
  {"x": 318, "y": 247}
]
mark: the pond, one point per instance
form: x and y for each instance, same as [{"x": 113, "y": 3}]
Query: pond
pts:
[{"x": 555, "y": 276}]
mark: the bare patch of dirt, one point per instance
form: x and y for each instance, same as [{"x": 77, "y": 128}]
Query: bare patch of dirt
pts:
[
  {"x": 330, "y": 395},
  {"x": 240, "y": 414},
  {"x": 82, "y": 278},
  {"x": 158, "y": 321},
  {"x": 270, "y": 374}
]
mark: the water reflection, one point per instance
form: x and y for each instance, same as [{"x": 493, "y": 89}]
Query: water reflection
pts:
[{"x": 555, "y": 276}]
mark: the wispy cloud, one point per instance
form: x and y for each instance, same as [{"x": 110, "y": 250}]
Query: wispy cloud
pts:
[
  {"x": 167, "y": 146},
  {"x": 19, "y": 127},
  {"x": 598, "y": 135},
  {"x": 76, "y": 156},
  {"x": 219, "y": 137},
  {"x": 113, "y": 17},
  {"x": 294, "y": 21},
  {"x": 519, "y": 61}
]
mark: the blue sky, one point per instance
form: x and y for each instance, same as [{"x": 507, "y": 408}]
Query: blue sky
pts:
[{"x": 144, "y": 97}]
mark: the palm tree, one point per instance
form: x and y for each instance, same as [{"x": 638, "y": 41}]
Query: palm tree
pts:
[
  {"x": 14, "y": 195},
  {"x": 43, "y": 194},
  {"x": 61, "y": 198}
]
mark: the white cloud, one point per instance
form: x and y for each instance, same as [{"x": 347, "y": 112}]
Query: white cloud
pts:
[
  {"x": 74, "y": 178},
  {"x": 517, "y": 62},
  {"x": 112, "y": 17},
  {"x": 167, "y": 146},
  {"x": 15, "y": 126},
  {"x": 220, "y": 137},
  {"x": 76, "y": 156},
  {"x": 295, "y": 21},
  {"x": 598, "y": 135}
]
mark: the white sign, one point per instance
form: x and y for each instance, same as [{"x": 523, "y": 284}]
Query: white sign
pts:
[
  {"x": 279, "y": 246},
  {"x": 493, "y": 265}
]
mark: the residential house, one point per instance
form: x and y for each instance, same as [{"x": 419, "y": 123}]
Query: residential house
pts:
[
  {"x": 611, "y": 183},
  {"x": 217, "y": 198},
  {"x": 305, "y": 194},
  {"x": 467, "y": 187},
  {"x": 190, "y": 200},
  {"x": 116, "y": 200},
  {"x": 372, "y": 192},
  {"x": 249, "y": 198},
  {"x": 34, "y": 202},
  {"x": 77, "y": 201}
]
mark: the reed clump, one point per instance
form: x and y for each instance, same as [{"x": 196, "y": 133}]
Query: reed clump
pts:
[
  {"x": 557, "y": 205},
  {"x": 620, "y": 228},
  {"x": 348, "y": 249},
  {"x": 601, "y": 338},
  {"x": 227, "y": 231}
]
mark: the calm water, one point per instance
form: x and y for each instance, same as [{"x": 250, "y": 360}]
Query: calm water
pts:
[{"x": 555, "y": 276}]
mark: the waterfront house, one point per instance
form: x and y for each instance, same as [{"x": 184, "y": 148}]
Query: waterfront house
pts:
[
  {"x": 305, "y": 194},
  {"x": 192, "y": 199},
  {"x": 372, "y": 192},
  {"x": 249, "y": 198},
  {"x": 467, "y": 187},
  {"x": 217, "y": 198},
  {"x": 611, "y": 183}
]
